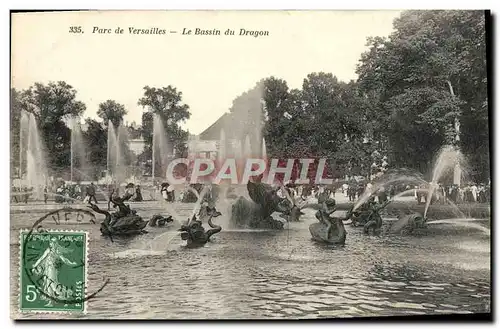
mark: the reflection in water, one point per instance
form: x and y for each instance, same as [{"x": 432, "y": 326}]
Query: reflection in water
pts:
[{"x": 280, "y": 274}]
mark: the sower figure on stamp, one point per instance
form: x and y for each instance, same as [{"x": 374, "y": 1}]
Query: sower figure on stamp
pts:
[{"x": 48, "y": 266}]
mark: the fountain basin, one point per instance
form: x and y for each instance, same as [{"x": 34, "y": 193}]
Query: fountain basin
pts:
[{"x": 436, "y": 211}]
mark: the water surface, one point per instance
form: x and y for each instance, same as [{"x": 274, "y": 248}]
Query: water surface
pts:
[{"x": 245, "y": 274}]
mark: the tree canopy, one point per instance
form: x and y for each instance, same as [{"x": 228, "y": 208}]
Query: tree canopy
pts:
[
  {"x": 428, "y": 73},
  {"x": 111, "y": 111},
  {"x": 416, "y": 89},
  {"x": 167, "y": 103},
  {"x": 51, "y": 105}
]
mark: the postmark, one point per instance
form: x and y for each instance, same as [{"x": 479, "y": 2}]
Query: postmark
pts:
[
  {"x": 68, "y": 215},
  {"x": 53, "y": 271}
]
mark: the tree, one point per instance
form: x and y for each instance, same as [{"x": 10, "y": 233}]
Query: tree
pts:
[
  {"x": 111, "y": 111},
  {"x": 51, "y": 104},
  {"x": 165, "y": 102},
  {"x": 320, "y": 121},
  {"x": 96, "y": 135},
  {"x": 15, "y": 117},
  {"x": 427, "y": 76},
  {"x": 277, "y": 100}
]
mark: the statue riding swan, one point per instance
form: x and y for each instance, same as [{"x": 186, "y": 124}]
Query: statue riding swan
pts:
[
  {"x": 329, "y": 230},
  {"x": 194, "y": 233}
]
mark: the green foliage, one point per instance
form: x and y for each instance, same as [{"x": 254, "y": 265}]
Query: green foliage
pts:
[
  {"x": 167, "y": 103},
  {"x": 411, "y": 88},
  {"x": 324, "y": 119},
  {"x": 97, "y": 149},
  {"x": 15, "y": 118},
  {"x": 51, "y": 104},
  {"x": 111, "y": 111},
  {"x": 429, "y": 72}
]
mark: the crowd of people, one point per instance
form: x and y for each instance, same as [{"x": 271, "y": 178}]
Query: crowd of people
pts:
[
  {"x": 20, "y": 194},
  {"x": 470, "y": 193},
  {"x": 351, "y": 190}
]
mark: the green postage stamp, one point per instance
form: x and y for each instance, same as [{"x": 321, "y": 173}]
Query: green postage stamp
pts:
[{"x": 53, "y": 271}]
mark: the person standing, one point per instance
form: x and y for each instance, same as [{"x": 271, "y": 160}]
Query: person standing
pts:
[
  {"x": 382, "y": 195},
  {"x": 78, "y": 192},
  {"x": 26, "y": 194},
  {"x": 111, "y": 192},
  {"x": 455, "y": 192},
  {"x": 13, "y": 193},
  {"x": 138, "y": 194},
  {"x": 91, "y": 193},
  {"x": 350, "y": 190},
  {"x": 45, "y": 195},
  {"x": 345, "y": 189},
  {"x": 442, "y": 194},
  {"x": 461, "y": 194},
  {"x": 473, "y": 190},
  {"x": 171, "y": 193},
  {"x": 481, "y": 197},
  {"x": 67, "y": 192},
  {"x": 360, "y": 190},
  {"x": 163, "y": 191}
]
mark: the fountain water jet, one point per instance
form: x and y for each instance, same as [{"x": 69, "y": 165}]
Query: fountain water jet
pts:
[
  {"x": 264, "y": 150},
  {"x": 222, "y": 147},
  {"x": 463, "y": 222},
  {"x": 447, "y": 159},
  {"x": 238, "y": 152},
  {"x": 247, "y": 151},
  {"x": 111, "y": 160},
  {"x": 198, "y": 203},
  {"x": 117, "y": 143},
  {"x": 389, "y": 179},
  {"x": 31, "y": 151},
  {"x": 407, "y": 192},
  {"x": 121, "y": 154},
  {"x": 160, "y": 146},
  {"x": 78, "y": 153}
]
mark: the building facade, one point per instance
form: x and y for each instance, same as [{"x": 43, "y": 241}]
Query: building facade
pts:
[
  {"x": 198, "y": 148},
  {"x": 137, "y": 145},
  {"x": 228, "y": 137}
]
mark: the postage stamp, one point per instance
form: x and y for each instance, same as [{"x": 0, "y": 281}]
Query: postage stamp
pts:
[{"x": 53, "y": 271}]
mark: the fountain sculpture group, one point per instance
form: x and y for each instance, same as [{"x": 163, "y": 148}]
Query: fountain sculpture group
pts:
[
  {"x": 253, "y": 211},
  {"x": 123, "y": 222},
  {"x": 256, "y": 212}
]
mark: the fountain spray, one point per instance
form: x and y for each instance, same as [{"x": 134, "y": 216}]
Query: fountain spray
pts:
[
  {"x": 448, "y": 157},
  {"x": 31, "y": 151}
]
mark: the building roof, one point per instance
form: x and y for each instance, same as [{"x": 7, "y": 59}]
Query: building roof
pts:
[{"x": 213, "y": 132}]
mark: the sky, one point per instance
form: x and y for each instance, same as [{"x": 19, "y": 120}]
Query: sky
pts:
[{"x": 209, "y": 70}]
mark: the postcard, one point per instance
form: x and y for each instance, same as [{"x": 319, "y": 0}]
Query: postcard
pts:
[{"x": 250, "y": 165}]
